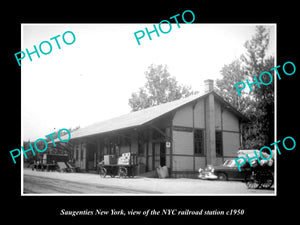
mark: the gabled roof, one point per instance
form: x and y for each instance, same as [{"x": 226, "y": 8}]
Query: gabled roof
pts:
[{"x": 142, "y": 117}]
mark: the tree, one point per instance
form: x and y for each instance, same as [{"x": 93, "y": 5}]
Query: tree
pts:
[
  {"x": 232, "y": 74},
  {"x": 159, "y": 88},
  {"x": 255, "y": 62},
  {"x": 254, "y": 58},
  {"x": 258, "y": 105}
]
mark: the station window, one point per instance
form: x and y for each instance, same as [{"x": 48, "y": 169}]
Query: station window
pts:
[
  {"x": 199, "y": 142},
  {"x": 219, "y": 144}
]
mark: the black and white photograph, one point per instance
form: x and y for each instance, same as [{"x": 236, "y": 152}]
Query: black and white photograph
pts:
[{"x": 162, "y": 117}]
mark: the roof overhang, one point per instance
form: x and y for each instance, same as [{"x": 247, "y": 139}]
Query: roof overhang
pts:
[{"x": 146, "y": 117}]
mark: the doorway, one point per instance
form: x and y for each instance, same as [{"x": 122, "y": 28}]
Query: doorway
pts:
[
  {"x": 91, "y": 156},
  {"x": 162, "y": 154},
  {"x": 158, "y": 154}
]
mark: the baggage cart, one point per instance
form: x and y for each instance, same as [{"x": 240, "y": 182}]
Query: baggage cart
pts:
[{"x": 123, "y": 167}]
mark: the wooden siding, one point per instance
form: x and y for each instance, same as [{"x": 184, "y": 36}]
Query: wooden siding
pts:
[
  {"x": 183, "y": 143},
  {"x": 200, "y": 162},
  {"x": 231, "y": 144},
  {"x": 230, "y": 121},
  {"x": 183, "y": 163},
  {"x": 184, "y": 117},
  {"x": 199, "y": 120}
]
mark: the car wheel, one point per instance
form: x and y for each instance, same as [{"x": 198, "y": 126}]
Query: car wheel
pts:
[{"x": 222, "y": 176}]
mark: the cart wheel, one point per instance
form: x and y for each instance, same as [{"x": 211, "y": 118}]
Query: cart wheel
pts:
[
  {"x": 102, "y": 172},
  {"x": 251, "y": 181},
  {"x": 267, "y": 180},
  {"x": 123, "y": 172}
]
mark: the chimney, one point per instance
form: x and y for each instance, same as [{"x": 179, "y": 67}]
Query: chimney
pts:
[
  {"x": 208, "y": 85},
  {"x": 210, "y": 129}
]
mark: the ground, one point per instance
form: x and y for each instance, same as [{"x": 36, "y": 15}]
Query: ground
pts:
[{"x": 37, "y": 182}]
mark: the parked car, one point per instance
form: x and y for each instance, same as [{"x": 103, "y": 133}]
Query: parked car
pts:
[
  {"x": 227, "y": 171},
  {"x": 230, "y": 171}
]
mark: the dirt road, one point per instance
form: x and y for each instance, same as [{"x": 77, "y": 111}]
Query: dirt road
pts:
[
  {"x": 35, "y": 184},
  {"x": 86, "y": 183}
]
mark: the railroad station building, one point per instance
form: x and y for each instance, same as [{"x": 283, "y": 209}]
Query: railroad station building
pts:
[{"x": 185, "y": 135}]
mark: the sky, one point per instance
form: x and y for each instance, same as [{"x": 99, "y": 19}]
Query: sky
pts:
[{"x": 92, "y": 79}]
